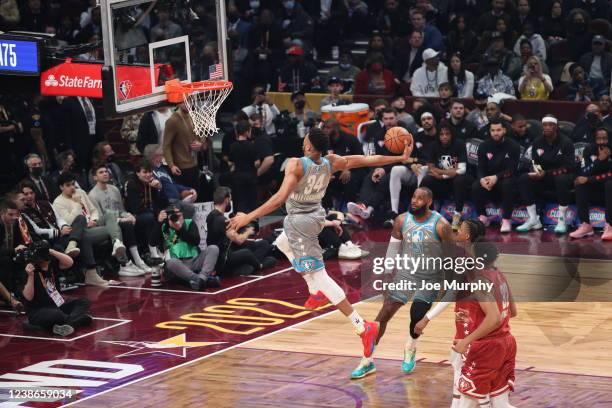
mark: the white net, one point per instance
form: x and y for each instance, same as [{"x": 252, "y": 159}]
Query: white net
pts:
[{"x": 203, "y": 105}]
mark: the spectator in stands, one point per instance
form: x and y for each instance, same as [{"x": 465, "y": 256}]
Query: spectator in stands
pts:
[
  {"x": 390, "y": 20},
  {"x": 345, "y": 71},
  {"x": 379, "y": 45},
  {"x": 33, "y": 16},
  {"x": 585, "y": 128},
  {"x": 478, "y": 115},
  {"x": 345, "y": 184},
  {"x": 297, "y": 23},
  {"x": 429, "y": 76},
  {"x": 461, "y": 40},
  {"x": 71, "y": 204},
  {"x": 45, "y": 306},
  {"x": 498, "y": 159},
  {"x": 375, "y": 186},
  {"x": 330, "y": 19},
  {"x": 244, "y": 162},
  {"x": 432, "y": 36},
  {"x": 80, "y": 133},
  {"x": 583, "y": 88},
  {"x": 265, "y": 43},
  {"x": 238, "y": 27},
  {"x": 606, "y": 106},
  {"x": 493, "y": 111},
  {"x": 404, "y": 118},
  {"x": 461, "y": 128},
  {"x": 524, "y": 15},
  {"x": 297, "y": 74},
  {"x": 553, "y": 23},
  {"x": 595, "y": 180},
  {"x": 445, "y": 92},
  {"x": 239, "y": 255},
  {"x": 47, "y": 225},
  {"x": 103, "y": 153},
  {"x": 508, "y": 61},
  {"x": 578, "y": 35},
  {"x": 177, "y": 194},
  {"x": 506, "y": 31},
  {"x": 411, "y": 59},
  {"x": 109, "y": 202},
  {"x": 534, "y": 84},
  {"x": 487, "y": 21},
  {"x": 595, "y": 8},
  {"x": 9, "y": 15},
  {"x": 446, "y": 171},
  {"x": 598, "y": 62},
  {"x": 334, "y": 86},
  {"x": 14, "y": 144},
  {"x": 306, "y": 117},
  {"x": 42, "y": 183},
  {"x": 65, "y": 164},
  {"x": 522, "y": 132},
  {"x": 357, "y": 18},
  {"x": 265, "y": 107},
  {"x": 165, "y": 28},
  {"x": 526, "y": 53},
  {"x": 180, "y": 146},
  {"x": 551, "y": 171},
  {"x": 375, "y": 79},
  {"x": 460, "y": 78},
  {"x": 144, "y": 198},
  {"x": 494, "y": 81},
  {"x": 181, "y": 238},
  {"x": 152, "y": 126},
  {"x": 269, "y": 168}
]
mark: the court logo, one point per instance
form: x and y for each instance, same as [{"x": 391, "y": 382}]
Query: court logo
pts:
[
  {"x": 174, "y": 346},
  {"x": 51, "y": 81}
]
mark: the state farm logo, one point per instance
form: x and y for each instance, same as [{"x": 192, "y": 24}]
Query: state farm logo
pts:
[
  {"x": 67, "y": 81},
  {"x": 51, "y": 81}
]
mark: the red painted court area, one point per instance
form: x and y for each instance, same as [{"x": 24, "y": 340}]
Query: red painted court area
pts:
[{"x": 140, "y": 331}]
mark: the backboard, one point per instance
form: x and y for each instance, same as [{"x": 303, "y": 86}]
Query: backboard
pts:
[{"x": 148, "y": 42}]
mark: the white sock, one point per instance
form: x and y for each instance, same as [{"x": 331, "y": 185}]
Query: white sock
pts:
[
  {"x": 357, "y": 321},
  {"x": 312, "y": 288},
  {"x": 154, "y": 252},
  {"x": 562, "y": 212},
  {"x": 135, "y": 255},
  {"x": 532, "y": 211}
]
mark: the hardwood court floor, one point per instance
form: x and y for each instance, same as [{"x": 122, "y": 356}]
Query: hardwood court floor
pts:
[{"x": 563, "y": 360}]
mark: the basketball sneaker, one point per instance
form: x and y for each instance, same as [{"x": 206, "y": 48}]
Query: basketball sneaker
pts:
[
  {"x": 365, "y": 367},
  {"x": 359, "y": 209},
  {"x": 456, "y": 221},
  {"x": 368, "y": 338},
  {"x": 530, "y": 224},
  {"x": 584, "y": 230},
  {"x": 316, "y": 301},
  {"x": 484, "y": 219},
  {"x": 409, "y": 359},
  {"x": 607, "y": 233},
  {"x": 561, "y": 227}
]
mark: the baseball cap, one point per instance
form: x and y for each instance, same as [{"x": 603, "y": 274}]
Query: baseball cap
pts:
[
  {"x": 429, "y": 54},
  {"x": 598, "y": 39},
  {"x": 295, "y": 50}
]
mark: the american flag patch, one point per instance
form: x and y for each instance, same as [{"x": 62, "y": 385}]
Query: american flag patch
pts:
[{"x": 215, "y": 71}]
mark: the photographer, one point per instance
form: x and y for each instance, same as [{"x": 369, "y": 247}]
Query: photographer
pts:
[
  {"x": 534, "y": 84},
  {"x": 45, "y": 306},
  {"x": 238, "y": 255},
  {"x": 266, "y": 108},
  {"x": 181, "y": 238}
]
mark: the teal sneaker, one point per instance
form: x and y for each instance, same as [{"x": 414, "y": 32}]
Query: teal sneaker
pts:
[
  {"x": 409, "y": 360},
  {"x": 364, "y": 368},
  {"x": 561, "y": 227}
]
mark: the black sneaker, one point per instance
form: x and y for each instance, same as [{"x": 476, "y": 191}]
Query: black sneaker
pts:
[
  {"x": 197, "y": 283},
  {"x": 81, "y": 321},
  {"x": 213, "y": 282},
  {"x": 268, "y": 262},
  {"x": 330, "y": 253}
]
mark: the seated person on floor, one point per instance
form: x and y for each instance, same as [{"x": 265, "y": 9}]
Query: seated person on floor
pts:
[
  {"x": 238, "y": 254},
  {"x": 74, "y": 206},
  {"x": 185, "y": 261},
  {"x": 336, "y": 241},
  {"x": 45, "y": 306}
]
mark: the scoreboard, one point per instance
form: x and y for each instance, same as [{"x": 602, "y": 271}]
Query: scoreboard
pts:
[{"x": 19, "y": 56}]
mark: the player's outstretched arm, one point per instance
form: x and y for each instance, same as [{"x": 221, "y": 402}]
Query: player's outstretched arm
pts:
[
  {"x": 340, "y": 163},
  {"x": 293, "y": 173}
]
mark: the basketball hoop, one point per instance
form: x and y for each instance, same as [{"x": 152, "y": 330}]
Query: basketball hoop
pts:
[{"x": 202, "y": 100}]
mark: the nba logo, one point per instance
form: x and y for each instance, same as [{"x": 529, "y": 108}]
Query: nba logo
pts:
[{"x": 124, "y": 88}]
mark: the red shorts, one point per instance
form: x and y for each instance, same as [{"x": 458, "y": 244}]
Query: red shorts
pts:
[{"x": 488, "y": 367}]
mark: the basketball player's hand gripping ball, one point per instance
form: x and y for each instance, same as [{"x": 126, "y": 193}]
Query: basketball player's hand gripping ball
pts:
[{"x": 399, "y": 140}]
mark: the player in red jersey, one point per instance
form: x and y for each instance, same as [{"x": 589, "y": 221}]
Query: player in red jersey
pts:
[{"x": 487, "y": 346}]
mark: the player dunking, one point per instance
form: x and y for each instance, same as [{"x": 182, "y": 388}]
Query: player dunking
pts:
[
  {"x": 420, "y": 232},
  {"x": 487, "y": 346},
  {"x": 302, "y": 190}
]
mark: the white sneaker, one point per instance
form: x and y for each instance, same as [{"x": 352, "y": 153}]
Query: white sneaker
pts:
[
  {"x": 93, "y": 279},
  {"x": 349, "y": 250},
  {"x": 143, "y": 266},
  {"x": 118, "y": 249},
  {"x": 130, "y": 269},
  {"x": 530, "y": 224}
]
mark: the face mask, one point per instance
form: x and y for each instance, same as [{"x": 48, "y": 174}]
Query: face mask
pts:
[
  {"x": 345, "y": 67},
  {"x": 289, "y": 5},
  {"x": 300, "y": 104},
  {"x": 377, "y": 68},
  {"x": 36, "y": 172},
  {"x": 229, "y": 209},
  {"x": 254, "y": 4}
]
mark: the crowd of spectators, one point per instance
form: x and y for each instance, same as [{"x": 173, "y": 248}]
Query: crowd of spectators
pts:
[{"x": 64, "y": 186}]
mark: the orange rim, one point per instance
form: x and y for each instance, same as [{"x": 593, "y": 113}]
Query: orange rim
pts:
[{"x": 176, "y": 90}]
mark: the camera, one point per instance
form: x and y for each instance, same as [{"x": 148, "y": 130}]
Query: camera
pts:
[
  {"x": 35, "y": 252},
  {"x": 285, "y": 124},
  {"x": 173, "y": 214}
]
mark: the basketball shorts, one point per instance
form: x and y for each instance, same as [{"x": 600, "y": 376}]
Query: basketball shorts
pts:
[
  {"x": 488, "y": 367},
  {"x": 303, "y": 234}
]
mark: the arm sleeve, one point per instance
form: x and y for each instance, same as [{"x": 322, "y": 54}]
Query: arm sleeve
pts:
[
  {"x": 48, "y": 233},
  {"x": 437, "y": 309},
  {"x": 392, "y": 251}
]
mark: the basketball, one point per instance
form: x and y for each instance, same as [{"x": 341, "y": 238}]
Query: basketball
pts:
[{"x": 395, "y": 138}]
